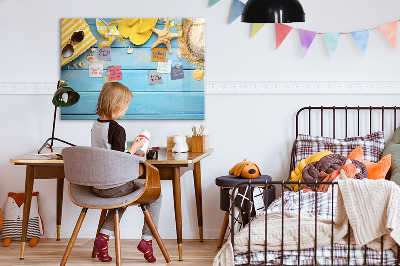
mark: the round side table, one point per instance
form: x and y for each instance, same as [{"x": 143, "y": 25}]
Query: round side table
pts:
[{"x": 228, "y": 182}]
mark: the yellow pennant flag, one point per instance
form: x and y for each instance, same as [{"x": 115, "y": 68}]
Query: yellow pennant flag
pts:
[{"x": 256, "y": 28}]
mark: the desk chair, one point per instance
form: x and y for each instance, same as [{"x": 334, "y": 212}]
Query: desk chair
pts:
[{"x": 85, "y": 167}]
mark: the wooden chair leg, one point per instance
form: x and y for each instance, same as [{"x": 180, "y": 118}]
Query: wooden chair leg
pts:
[
  {"x": 223, "y": 229},
  {"x": 73, "y": 237},
  {"x": 117, "y": 239},
  {"x": 101, "y": 222},
  {"x": 154, "y": 230}
]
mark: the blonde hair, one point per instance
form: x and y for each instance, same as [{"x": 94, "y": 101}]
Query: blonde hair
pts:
[{"x": 113, "y": 98}]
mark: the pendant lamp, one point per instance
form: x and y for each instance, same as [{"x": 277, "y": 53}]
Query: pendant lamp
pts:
[
  {"x": 64, "y": 96},
  {"x": 272, "y": 11}
]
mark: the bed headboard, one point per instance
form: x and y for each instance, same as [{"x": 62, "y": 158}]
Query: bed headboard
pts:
[
  {"x": 347, "y": 116},
  {"x": 344, "y": 121}
]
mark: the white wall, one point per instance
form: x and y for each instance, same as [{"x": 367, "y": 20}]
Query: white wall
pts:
[{"x": 257, "y": 126}]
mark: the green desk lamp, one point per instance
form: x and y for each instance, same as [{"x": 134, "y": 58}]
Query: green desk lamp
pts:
[{"x": 64, "y": 96}]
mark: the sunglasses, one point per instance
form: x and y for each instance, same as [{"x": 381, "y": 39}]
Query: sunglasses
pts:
[{"x": 68, "y": 49}]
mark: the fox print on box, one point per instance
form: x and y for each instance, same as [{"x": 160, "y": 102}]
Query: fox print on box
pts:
[{"x": 13, "y": 215}]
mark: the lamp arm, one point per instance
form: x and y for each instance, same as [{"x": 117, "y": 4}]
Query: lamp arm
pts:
[{"x": 54, "y": 126}]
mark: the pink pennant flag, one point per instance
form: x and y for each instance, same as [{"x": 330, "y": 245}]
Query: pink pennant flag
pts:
[
  {"x": 281, "y": 31},
  {"x": 389, "y": 30},
  {"x": 306, "y": 39}
]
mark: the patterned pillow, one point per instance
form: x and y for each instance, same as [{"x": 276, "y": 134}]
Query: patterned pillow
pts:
[{"x": 372, "y": 144}]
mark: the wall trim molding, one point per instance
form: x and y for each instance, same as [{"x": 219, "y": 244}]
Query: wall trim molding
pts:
[
  {"x": 27, "y": 88},
  {"x": 303, "y": 87},
  {"x": 248, "y": 87}
]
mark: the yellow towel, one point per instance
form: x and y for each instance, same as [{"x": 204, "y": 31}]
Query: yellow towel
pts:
[{"x": 68, "y": 27}]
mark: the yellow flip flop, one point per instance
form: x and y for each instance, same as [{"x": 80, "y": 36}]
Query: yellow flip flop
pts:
[
  {"x": 124, "y": 27},
  {"x": 141, "y": 32}
]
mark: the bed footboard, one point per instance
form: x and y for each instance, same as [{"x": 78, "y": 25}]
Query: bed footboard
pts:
[{"x": 310, "y": 254}]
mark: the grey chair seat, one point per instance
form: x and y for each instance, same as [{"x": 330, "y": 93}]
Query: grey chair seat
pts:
[
  {"x": 83, "y": 196},
  {"x": 85, "y": 167}
]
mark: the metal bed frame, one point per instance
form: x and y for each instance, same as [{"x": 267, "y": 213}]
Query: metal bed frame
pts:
[{"x": 283, "y": 184}]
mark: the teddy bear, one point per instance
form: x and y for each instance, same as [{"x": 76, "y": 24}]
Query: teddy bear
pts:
[
  {"x": 180, "y": 144},
  {"x": 13, "y": 215},
  {"x": 245, "y": 169}
]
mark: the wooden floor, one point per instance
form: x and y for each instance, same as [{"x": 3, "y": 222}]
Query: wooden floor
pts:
[{"x": 50, "y": 252}]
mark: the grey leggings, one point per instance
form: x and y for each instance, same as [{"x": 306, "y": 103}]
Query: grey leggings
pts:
[{"x": 154, "y": 208}]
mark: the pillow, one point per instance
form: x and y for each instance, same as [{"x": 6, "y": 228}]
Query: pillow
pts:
[
  {"x": 372, "y": 144},
  {"x": 375, "y": 170},
  {"x": 393, "y": 148},
  {"x": 329, "y": 164},
  {"x": 296, "y": 174}
]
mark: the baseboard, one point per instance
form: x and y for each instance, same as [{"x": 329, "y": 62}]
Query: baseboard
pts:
[{"x": 248, "y": 87}]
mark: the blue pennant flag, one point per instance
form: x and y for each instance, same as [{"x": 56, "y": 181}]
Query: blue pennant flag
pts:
[
  {"x": 237, "y": 8},
  {"x": 332, "y": 41},
  {"x": 361, "y": 37},
  {"x": 213, "y": 2}
]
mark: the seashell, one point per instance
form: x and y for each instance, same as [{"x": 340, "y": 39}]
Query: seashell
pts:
[
  {"x": 198, "y": 74},
  {"x": 93, "y": 49},
  {"x": 80, "y": 64},
  {"x": 179, "y": 54},
  {"x": 108, "y": 73},
  {"x": 129, "y": 50},
  {"x": 73, "y": 64},
  {"x": 90, "y": 57}
]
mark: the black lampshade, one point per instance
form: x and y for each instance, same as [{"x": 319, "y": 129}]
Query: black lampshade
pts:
[
  {"x": 273, "y": 11},
  {"x": 63, "y": 97},
  {"x": 63, "y": 89}
]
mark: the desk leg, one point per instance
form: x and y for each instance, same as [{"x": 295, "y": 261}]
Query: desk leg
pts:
[
  {"x": 199, "y": 204},
  {"x": 60, "y": 190},
  {"x": 176, "y": 182},
  {"x": 27, "y": 206}
]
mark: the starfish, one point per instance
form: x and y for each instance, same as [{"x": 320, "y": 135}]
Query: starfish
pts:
[{"x": 164, "y": 36}]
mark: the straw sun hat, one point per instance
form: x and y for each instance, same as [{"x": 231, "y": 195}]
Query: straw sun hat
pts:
[{"x": 191, "y": 44}]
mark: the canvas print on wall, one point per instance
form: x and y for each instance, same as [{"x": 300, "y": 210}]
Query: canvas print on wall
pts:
[{"x": 161, "y": 60}]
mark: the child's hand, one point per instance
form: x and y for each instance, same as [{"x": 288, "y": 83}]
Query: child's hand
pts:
[
  {"x": 137, "y": 144},
  {"x": 143, "y": 155}
]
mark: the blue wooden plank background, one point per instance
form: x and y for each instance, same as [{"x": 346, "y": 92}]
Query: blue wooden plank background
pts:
[{"x": 174, "y": 99}]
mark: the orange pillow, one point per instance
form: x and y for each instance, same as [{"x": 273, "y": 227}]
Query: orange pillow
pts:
[{"x": 375, "y": 170}]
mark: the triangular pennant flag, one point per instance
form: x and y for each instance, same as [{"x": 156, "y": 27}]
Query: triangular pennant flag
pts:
[
  {"x": 281, "y": 31},
  {"x": 255, "y": 28},
  {"x": 361, "y": 37},
  {"x": 389, "y": 30},
  {"x": 237, "y": 8},
  {"x": 213, "y": 2},
  {"x": 332, "y": 41},
  {"x": 306, "y": 39}
]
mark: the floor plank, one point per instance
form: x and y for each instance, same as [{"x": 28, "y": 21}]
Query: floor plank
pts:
[{"x": 50, "y": 252}]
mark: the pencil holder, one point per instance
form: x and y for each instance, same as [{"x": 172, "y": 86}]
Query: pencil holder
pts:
[{"x": 200, "y": 143}]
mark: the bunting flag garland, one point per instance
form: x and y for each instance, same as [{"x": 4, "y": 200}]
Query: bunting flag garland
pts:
[
  {"x": 109, "y": 31},
  {"x": 237, "y": 8},
  {"x": 361, "y": 37},
  {"x": 213, "y": 2},
  {"x": 389, "y": 30},
  {"x": 306, "y": 39},
  {"x": 281, "y": 31},
  {"x": 256, "y": 27},
  {"x": 332, "y": 41}
]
